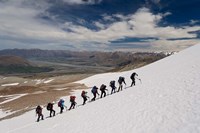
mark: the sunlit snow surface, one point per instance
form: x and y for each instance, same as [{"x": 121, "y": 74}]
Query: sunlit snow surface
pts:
[
  {"x": 166, "y": 101},
  {"x": 11, "y": 84}
]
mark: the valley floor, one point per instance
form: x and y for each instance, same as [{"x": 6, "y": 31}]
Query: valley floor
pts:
[{"x": 19, "y": 95}]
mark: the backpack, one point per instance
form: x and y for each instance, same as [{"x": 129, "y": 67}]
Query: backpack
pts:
[
  {"x": 121, "y": 79},
  {"x": 38, "y": 109},
  {"x": 103, "y": 87},
  {"x": 72, "y": 98},
  {"x": 83, "y": 93},
  {"x": 49, "y": 106},
  {"x": 60, "y": 103},
  {"x": 112, "y": 83},
  {"x": 94, "y": 89}
]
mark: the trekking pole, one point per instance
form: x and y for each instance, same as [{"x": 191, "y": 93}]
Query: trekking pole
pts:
[
  {"x": 65, "y": 107},
  {"x": 89, "y": 98},
  {"x": 107, "y": 92},
  {"x": 139, "y": 80}
]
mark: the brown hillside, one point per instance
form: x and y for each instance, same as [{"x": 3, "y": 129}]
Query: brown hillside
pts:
[{"x": 13, "y": 61}]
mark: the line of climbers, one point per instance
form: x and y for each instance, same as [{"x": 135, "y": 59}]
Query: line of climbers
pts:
[{"x": 94, "y": 91}]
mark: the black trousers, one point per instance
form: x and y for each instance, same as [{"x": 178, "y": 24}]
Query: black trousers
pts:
[
  {"x": 52, "y": 111},
  {"x": 103, "y": 94},
  {"x": 120, "y": 87},
  {"x": 72, "y": 105},
  {"x": 133, "y": 82},
  {"x": 113, "y": 89},
  {"x": 84, "y": 100},
  {"x": 93, "y": 99},
  {"x": 61, "y": 109},
  {"x": 40, "y": 115}
]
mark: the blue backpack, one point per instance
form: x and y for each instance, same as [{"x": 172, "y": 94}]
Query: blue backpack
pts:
[
  {"x": 60, "y": 103},
  {"x": 94, "y": 89},
  {"x": 112, "y": 83}
]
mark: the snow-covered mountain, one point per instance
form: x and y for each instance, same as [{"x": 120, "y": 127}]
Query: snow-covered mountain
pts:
[{"x": 166, "y": 101}]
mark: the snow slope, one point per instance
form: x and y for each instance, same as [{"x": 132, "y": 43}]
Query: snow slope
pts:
[{"x": 167, "y": 101}]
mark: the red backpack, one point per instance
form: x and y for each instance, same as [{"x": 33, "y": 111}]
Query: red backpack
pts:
[
  {"x": 72, "y": 98},
  {"x": 83, "y": 93}
]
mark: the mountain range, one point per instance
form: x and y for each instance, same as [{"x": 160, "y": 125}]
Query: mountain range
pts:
[{"x": 91, "y": 58}]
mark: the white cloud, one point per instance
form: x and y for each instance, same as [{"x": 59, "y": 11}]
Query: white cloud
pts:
[
  {"x": 166, "y": 14},
  {"x": 21, "y": 23},
  {"x": 18, "y": 21},
  {"x": 82, "y": 1},
  {"x": 108, "y": 18},
  {"x": 172, "y": 45},
  {"x": 141, "y": 24},
  {"x": 194, "y": 21},
  {"x": 99, "y": 25}
]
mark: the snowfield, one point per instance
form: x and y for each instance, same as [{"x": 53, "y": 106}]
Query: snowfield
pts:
[
  {"x": 12, "y": 84},
  {"x": 167, "y": 101}
]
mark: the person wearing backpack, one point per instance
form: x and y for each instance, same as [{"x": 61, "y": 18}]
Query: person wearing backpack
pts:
[
  {"x": 73, "y": 103},
  {"x": 103, "y": 90},
  {"x": 50, "y": 108},
  {"x": 38, "y": 111},
  {"x": 133, "y": 78},
  {"x": 84, "y": 96},
  {"x": 94, "y": 92},
  {"x": 120, "y": 81},
  {"x": 112, "y": 85},
  {"x": 61, "y": 105}
]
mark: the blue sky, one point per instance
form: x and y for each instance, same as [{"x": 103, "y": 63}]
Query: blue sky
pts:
[{"x": 107, "y": 25}]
